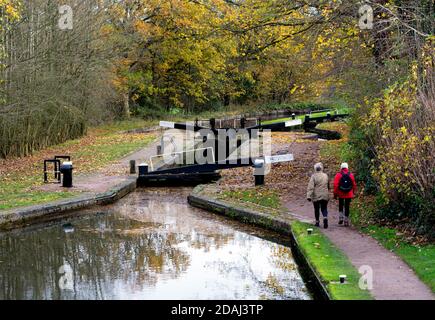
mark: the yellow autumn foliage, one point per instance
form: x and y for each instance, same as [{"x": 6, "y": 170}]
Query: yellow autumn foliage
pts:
[{"x": 403, "y": 127}]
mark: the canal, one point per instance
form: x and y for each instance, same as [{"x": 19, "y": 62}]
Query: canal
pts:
[{"x": 149, "y": 245}]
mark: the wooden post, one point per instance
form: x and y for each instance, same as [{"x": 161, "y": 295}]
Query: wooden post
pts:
[{"x": 132, "y": 166}]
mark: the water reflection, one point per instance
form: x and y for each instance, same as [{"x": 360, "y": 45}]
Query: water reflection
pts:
[{"x": 150, "y": 245}]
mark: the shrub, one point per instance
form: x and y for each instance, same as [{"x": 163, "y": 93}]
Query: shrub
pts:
[
  {"x": 29, "y": 129},
  {"x": 394, "y": 139}
]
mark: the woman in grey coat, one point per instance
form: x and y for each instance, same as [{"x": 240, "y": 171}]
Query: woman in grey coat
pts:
[{"x": 318, "y": 193}]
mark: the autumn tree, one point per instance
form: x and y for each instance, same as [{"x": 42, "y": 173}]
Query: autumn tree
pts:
[{"x": 53, "y": 79}]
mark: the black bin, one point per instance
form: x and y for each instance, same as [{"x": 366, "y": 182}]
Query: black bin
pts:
[{"x": 66, "y": 170}]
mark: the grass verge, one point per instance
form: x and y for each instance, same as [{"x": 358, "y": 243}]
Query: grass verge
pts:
[
  {"x": 264, "y": 197},
  {"x": 329, "y": 262},
  {"x": 21, "y": 178},
  {"x": 421, "y": 258}
]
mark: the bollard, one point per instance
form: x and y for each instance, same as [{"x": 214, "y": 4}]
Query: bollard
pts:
[
  {"x": 307, "y": 118},
  {"x": 66, "y": 170},
  {"x": 159, "y": 150},
  {"x": 68, "y": 228},
  {"x": 243, "y": 122},
  {"x": 310, "y": 231},
  {"x": 342, "y": 278},
  {"x": 143, "y": 169},
  {"x": 212, "y": 123},
  {"x": 132, "y": 166},
  {"x": 328, "y": 115},
  {"x": 65, "y": 158},
  {"x": 259, "y": 172},
  {"x": 293, "y": 116}
]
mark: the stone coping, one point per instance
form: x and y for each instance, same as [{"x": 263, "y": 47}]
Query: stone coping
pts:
[{"x": 21, "y": 217}]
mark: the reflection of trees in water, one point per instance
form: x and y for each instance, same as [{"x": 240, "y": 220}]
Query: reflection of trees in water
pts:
[
  {"x": 282, "y": 258},
  {"x": 276, "y": 279},
  {"x": 98, "y": 253},
  {"x": 199, "y": 228},
  {"x": 139, "y": 242},
  {"x": 136, "y": 245}
]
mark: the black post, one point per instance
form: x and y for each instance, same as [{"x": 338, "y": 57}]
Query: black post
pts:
[
  {"x": 243, "y": 122},
  {"x": 66, "y": 169},
  {"x": 213, "y": 123},
  {"x": 132, "y": 166},
  {"x": 56, "y": 171},
  {"x": 143, "y": 169},
  {"x": 259, "y": 180},
  {"x": 45, "y": 172},
  {"x": 259, "y": 172},
  {"x": 293, "y": 116}
]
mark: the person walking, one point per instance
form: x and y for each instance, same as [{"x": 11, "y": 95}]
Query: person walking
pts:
[
  {"x": 318, "y": 193},
  {"x": 344, "y": 190}
]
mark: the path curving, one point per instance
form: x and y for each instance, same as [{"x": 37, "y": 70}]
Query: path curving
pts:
[{"x": 393, "y": 279}]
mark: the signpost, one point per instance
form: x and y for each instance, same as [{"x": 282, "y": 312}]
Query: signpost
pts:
[{"x": 279, "y": 158}]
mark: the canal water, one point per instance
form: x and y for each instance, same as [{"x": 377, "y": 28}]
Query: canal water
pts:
[{"x": 149, "y": 245}]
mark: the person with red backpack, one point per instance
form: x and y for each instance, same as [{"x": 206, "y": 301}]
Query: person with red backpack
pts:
[{"x": 344, "y": 190}]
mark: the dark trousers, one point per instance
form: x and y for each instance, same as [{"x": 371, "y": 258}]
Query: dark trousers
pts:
[
  {"x": 320, "y": 205},
  {"x": 344, "y": 204}
]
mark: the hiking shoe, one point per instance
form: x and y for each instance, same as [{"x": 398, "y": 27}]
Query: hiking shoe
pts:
[
  {"x": 340, "y": 218},
  {"x": 317, "y": 224},
  {"x": 346, "y": 222},
  {"x": 325, "y": 223}
]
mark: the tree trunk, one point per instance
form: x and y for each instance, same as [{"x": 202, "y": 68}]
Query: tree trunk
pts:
[{"x": 126, "y": 106}]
